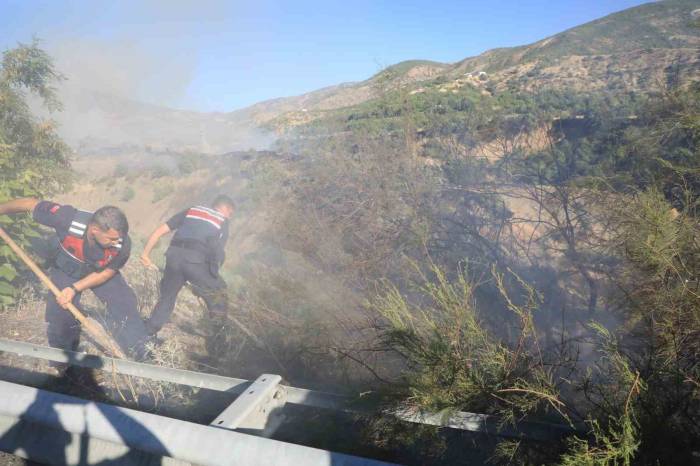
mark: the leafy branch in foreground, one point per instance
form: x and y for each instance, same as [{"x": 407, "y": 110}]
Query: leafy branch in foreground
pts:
[
  {"x": 453, "y": 363},
  {"x": 617, "y": 440},
  {"x": 33, "y": 158}
]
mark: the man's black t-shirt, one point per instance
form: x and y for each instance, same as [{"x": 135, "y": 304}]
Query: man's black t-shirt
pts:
[
  {"x": 176, "y": 221},
  {"x": 59, "y": 217}
]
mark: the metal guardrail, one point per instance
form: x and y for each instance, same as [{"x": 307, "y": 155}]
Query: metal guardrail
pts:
[
  {"x": 60, "y": 429},
  {"x": 473, "y": 422},
  {"x": 219, "y": 383}
]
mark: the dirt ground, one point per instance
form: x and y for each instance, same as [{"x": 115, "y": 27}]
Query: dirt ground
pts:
[
  {"x": 11, "y": 460},
  {"x": 181, "y": 345}
]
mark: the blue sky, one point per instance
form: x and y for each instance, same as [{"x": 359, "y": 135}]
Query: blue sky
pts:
[{"x": 222, "y": 55}]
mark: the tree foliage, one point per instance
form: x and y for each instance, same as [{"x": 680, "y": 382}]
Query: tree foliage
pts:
[
  {"x": 33, "y": 159},
  {"x": 455, "y": 363}
]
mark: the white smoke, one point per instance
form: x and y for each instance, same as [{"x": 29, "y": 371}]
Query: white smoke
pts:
[{"x": 120, "y": 89}]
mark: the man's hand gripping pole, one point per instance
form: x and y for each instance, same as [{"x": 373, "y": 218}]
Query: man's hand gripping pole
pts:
[{"x": 91, "y": 326}]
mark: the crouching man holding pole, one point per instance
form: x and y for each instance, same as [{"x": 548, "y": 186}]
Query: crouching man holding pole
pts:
[{"x": 87, "y": 253}]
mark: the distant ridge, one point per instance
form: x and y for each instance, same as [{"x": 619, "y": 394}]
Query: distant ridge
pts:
[{"x": 637, "y": 49}]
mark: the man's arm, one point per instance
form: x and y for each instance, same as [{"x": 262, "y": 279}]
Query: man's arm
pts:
[
  {"x": 28, "y": 204},
  {"x": 164, "y": 229},
  {"x": 221, "y": 246},
  {"x": 25, "y": 204},
  {"x": 89, "y": 281}
]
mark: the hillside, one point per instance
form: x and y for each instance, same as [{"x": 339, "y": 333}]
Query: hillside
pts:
[
  {"x": 348, "y": 94},
  {"x": 658, "y": 25},
  {"x": 637, "y": 49}
]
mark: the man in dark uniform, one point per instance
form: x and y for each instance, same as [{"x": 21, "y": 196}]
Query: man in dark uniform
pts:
[
  {"x": 195, "y": 255},
  {"x": 88, "y": 251}
]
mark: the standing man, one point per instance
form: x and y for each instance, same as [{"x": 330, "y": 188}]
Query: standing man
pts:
[
  {"x": 195, "y": 255},
  {"x": 88, "y": 251}
]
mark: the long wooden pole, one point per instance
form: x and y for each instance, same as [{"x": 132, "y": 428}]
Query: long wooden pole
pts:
[{"x": 90, "y": 325}]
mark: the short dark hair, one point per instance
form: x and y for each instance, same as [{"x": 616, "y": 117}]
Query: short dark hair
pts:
[
  {"x": 110, "y": 217},
  {"x": 223, "y": 200}
]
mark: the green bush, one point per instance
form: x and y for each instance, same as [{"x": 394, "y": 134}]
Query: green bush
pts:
[
  {"x": 162, "y": 191},
  {"x": 127, "y": 194},
  {"x": 453, "y": 362},
  {"x": 159, "y": 171},
  {"x": 189, "y": 163},
  {"x": 121, "y": 170}
]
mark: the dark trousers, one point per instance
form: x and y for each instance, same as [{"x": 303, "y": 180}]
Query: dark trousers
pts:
[
  {"x": 122, "y": 319},
  {"x": 183, "y": 266}
]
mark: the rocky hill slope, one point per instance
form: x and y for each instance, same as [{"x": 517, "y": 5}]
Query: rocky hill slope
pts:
[{"x": 638, "y": 49}]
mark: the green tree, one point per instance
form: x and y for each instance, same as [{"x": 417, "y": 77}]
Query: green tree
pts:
[{"x": 32, "y": 157}]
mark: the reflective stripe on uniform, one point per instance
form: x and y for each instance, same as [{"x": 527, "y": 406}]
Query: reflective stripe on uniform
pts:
[
  {"x": 214, "y": 212},
  {"x": 199, "y": 213}
]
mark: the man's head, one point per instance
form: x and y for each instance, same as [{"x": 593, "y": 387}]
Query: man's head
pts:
[
  {"x": 108, "y": 225},
  {"x": 224, "y": 205}
]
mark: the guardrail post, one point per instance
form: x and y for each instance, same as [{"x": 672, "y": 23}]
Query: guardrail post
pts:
[{"x": 258, "y": 410}]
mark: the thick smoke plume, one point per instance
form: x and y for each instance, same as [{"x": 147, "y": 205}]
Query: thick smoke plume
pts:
[{"x": 127, "y": 88}]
